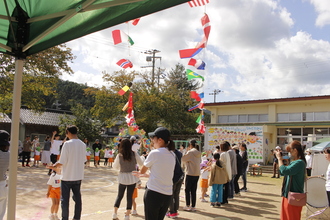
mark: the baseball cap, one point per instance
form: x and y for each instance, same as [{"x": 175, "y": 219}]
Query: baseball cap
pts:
[
  {"x": 160, "y": 132},
  {"x": 97, "y": 140},
  {"x": 4, "y": 138},
  {"x": 132, "y": 138},
  {"x": 278, "y": 148}
]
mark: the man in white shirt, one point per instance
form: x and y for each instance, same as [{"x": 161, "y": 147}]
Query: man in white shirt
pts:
[
  {"x": 135, "y": 146},
  {"x": 72, "y": 160}
]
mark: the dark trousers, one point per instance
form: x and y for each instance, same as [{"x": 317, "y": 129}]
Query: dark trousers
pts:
[
  {"x": 129, "y": 195},
  {"x": 190, "y": 190},
  {"x": 175, "y": 199},
  {"x": 26, "y": 157},
  {"x": 236, "y": 186},
  {"x": 225, "y": 192},
  {"x": 231, "y": 187},
  {"x": 106, "y": 161},
  {"x": 328, "y": 193},
  {"x": 155, "y": 205},
  {"x": 309, "y": 171},
  {"x": 244, "y": 176},
  {"x": 66, "y": 186},
  {"x": 275, "y": 169}
]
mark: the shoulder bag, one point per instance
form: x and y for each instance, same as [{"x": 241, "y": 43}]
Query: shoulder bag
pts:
[{"x": 297, "y": 199}]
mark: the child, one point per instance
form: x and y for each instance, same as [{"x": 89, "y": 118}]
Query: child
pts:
[
  {"x": 88, "y": 156},
  {"x": 204, "y": 156},
  {"x": 54, "y": 191},
  {"x": 111, "y": 156},
  {"x": 106, "y": 156},
  {"x": 36, "y": 156},
  {"x": 96, "y": 157},
  {"x": 204, "y": 179},
  {"x": 135, "y": 195},
  {"x": 35, "y": 144},
  {"x": 218, "y": 177}
]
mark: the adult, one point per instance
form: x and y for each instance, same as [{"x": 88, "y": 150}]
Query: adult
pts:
[
  {"x": 233, "y": 164},
  {"x": 135, "y": 145},
  {"x": 225, "y": 158},
  {"x": 294, "y": 178},
  {"x": 192, "y": 160},
  {"x": 26, "y": 153},
  {"x": 55, "y": 147},
  {"x": 309, "y": 161},
  {"x": 4, "y": 165},
  {"x": 217, "y": 150},
  {"x": 239, "y": 165},
  {"x": 245, "y": 159},
  {"x": 45, "y": 157},
  {"x": 161, "y": 162},
  {"x": 98, "y": 145},
  {"x": 72, "y": 160},
  {"x": 327, "y": 176},
  {"x": 177, "y": 183},
  {"x": 126, "y": 162},
  {"x": 275, "y": 163}
]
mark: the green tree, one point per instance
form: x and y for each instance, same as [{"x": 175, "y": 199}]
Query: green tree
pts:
[{"x": 40, "y": 73}]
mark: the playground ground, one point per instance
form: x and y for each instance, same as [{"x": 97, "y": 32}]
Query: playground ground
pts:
[{"x": 99, "y": 190}]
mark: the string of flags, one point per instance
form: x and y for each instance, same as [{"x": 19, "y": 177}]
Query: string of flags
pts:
[
  {"x": 123, "y": 90},
  {"x": 196, "y": 3}
]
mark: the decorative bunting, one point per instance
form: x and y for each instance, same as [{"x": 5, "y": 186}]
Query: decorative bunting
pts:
[
  {"x": 125, "y": 63},
  {"x": 196, "y": 3},
  {"x": 189, "y": 53},
  {"x": 199, "y": 64},
  {"x": 199, "y": 105},
  {"x": 119, "y": 37},
  {"x": 192, "y": 75},
  {"x": 124, "y": 89},
  {"x": 196, "y": 96}
]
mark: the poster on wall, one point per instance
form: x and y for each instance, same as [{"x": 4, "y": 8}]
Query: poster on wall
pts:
[{"x": 252, "y": 136}]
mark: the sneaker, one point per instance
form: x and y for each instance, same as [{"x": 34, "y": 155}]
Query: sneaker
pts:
[
  {"x": 206, "y": 195},
  {"x": 168, "y": 214},
  {"x": 51, "y": 217},
  {"x": 218, "y": 204},
  {"x": 203, "y": 200},
  {"x": 237, "y": 194},
  {"x": 134, "y": 212},
  {"x": 273, "y": 177},
  {"x": 193, "y": 209},
  {"x": 27, "y": 165},
  {"x": 173, "y": 215},
  {"x": 114, "y": 216},
  {"x": 23, "y": 165},
  {"x": 126, "y": 217},
  {"x": 212, "y": 204},
  {"x": 187, "y": 208},
  {"x": 56, "y": 217}
]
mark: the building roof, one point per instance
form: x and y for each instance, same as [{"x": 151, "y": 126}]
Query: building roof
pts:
[
  {"x": 44, "y": 118},
  {"x": 4, "y": 118},
  {"x": 28, "y": 116},
  {"x": 290, "y": 99}
]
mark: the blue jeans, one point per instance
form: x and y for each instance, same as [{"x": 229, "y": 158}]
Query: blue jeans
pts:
[
  {"x": 216, "y": 193},
  {"x": 65, "y": 197}
]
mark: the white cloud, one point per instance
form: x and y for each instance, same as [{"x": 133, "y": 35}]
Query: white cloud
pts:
[{"x": 322, "y": 7}]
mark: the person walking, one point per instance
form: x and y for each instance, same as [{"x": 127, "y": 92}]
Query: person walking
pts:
[
  {"x": 294, "y": 178},
  {"x": 161, "y": 162},
  {"x": 4, "y": 165},
  {"x": 126, "y": 162},
  {"x": 72, "y": 160},
  {"x": 192, "y": 160},
  {"x": 45, "y": 156},
  {"x": 98, "y": 145}
]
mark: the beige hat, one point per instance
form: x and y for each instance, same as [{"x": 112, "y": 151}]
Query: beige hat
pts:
[
  {"x": 278, "y": 148},
  {"x": 308, "y": 150}
]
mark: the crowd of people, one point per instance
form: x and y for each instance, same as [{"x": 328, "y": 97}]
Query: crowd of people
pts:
[{"x": 166, "y": 168}]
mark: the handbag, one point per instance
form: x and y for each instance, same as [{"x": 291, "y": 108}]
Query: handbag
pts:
[{"x": 297, "y": 199}]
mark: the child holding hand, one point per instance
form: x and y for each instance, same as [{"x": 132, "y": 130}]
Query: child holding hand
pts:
[
  {"x": 204, "y": 183},
  {"x": 88, "y": 156},
  {"x": 96, "y": 157},
  {"x": 54, "y": 191}
]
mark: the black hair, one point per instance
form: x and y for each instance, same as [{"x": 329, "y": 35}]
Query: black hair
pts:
[
  {"x": 171, "y": 145},
  {"x": 216, "y": 156},
  {"x": 72, "y": 129},
  {"x": 194, "y": 144},
  {"x": 297, "y": 145},
  {"x": 326, "y": 150},
  {"x": 224, "y": 146}
]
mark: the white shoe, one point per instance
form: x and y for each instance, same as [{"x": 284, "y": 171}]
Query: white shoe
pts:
[
  {"x": 134, "y": 212},
  {"x": 126, "y": 217},
  {"x": 56, "y": 217},
  {"x": 187, "y": 208},
  {"x": 114, "y": 216},
  {"x": 51, "y": 217}
]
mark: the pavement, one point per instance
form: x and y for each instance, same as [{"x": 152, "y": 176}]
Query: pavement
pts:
[{"x": 99, "y": 190}]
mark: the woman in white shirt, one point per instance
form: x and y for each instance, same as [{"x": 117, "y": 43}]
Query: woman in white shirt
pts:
[
  {"x": 309, "y": 160},
  {"x": 126, "y": 162}
]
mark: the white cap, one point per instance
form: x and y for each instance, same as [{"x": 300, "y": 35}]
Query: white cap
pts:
[
  {"x": 278, "y": 148},
  {"x": 133, "y": 138}
]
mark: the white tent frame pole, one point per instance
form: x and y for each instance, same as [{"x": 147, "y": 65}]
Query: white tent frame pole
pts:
[
  {"x": 5, "y": 47},
  {"x": 14, "y": 138}
]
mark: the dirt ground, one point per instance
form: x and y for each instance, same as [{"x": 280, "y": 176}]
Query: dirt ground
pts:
[{"x": 99, "y": 190}]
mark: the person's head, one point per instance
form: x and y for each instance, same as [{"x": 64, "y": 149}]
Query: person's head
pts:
[
  {"x": 216, "y": 157},
  {"x": 71, "y": 131},
  {"x": 193, "y": 144},
  {"x": 47, "y": 138},
  {"x": 243, "y": 147},
  {"x": 296, "y": 150},
  {"x": 161, "y": 137},
  {"x": 203, "y": 164},
  {"x": 217, "y": 147},
  {"x": 97, "y": 141},
  {"x": 236, "y": 149},
  {"x": 278, "y": 148},
  {"x": 308, "y": 151},
  {"x": 85, "y": 140},
  {"x": 182, "y": 147},
  {"x": 326, "y": 152},
  {"x": 125, "y": 148},
  {"x": 224, "y": 146},
  {"x": 27, "y": 137},
  {"x": 4, "y": 140}
]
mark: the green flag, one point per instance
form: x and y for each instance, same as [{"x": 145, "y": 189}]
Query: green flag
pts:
[{"x": 193, "y": 75}]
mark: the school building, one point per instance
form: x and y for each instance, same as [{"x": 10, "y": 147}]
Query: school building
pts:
[{"x": 265, "y": 124}]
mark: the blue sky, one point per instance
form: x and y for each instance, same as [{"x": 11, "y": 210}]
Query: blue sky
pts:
[{"x": 257, "y": 49}]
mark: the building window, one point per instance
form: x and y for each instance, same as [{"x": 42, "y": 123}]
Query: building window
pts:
[
  {"x": 253, "y": 118},
  {"x": 232, "y": 118},
  {"x": 223, "y": 119},
  {"x": 242, "y": 118},
  {"x": 283, "y": 117},
  {"x": 263, "y": 117},
  {"x": 321, "y": 116}
]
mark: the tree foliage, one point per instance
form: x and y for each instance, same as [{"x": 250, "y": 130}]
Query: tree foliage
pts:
[{"x": 40, "y": 73}]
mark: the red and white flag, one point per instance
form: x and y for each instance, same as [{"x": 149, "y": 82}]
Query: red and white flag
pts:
[
  {"x": 196, "y": 3},
  {"x": 120, "y": 37}
]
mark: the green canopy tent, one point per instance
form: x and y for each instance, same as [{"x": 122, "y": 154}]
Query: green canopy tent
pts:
[{"x": 30, "y": 26}]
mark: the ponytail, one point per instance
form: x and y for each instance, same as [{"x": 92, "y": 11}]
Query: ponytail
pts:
[{"x": 170, "y": 145}]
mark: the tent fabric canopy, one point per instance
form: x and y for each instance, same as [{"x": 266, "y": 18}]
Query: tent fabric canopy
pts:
[{"x": 41, "y": 24}]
